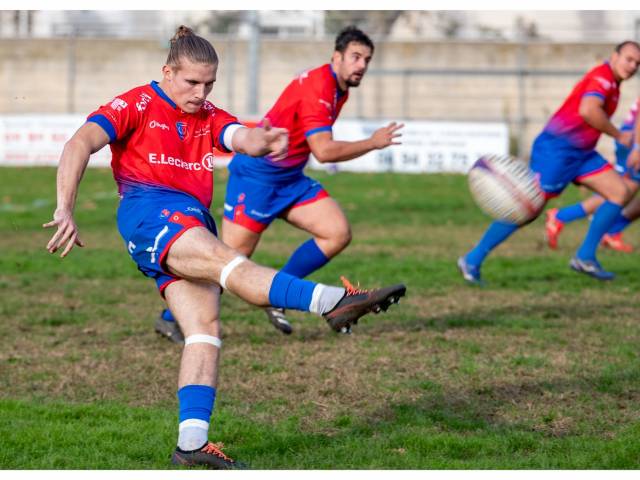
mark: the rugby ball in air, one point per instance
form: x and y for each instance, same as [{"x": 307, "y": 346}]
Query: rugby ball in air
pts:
[{"x": 505, "y": 188}]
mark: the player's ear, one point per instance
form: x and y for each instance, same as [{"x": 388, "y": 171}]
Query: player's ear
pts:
[{"x": 167, "y": 72}]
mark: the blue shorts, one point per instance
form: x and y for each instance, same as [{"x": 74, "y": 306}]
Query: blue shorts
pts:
[
  {"x": 256, "y": 201},
  {"x": 622, "y": 153},
  {"x": 558, "y": 163},
  {"x": 151, "y": 219}
]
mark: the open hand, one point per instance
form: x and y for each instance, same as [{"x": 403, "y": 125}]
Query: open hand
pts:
[
  {"x": 67, "y": 232},
  {"x": 633, "y": 160},
  {"x": 385, "y": 136}
]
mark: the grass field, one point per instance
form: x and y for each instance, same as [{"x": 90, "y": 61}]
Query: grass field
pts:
[{"x": 540, "y": 369}]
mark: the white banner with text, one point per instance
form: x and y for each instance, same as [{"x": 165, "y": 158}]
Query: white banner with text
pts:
[{"x": 427, "y": 147}]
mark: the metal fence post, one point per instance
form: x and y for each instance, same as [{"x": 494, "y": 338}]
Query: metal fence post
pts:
[
  {"x": 254, "y": 63},
  {"x": 71, "y": 71},
  {"x": 231, "y": 67},
  {"x": 522, "y": 96}
]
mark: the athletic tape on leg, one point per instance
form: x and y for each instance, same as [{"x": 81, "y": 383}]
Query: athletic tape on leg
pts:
[
  {"x": 201, "y": 338},
  {"x": 228, "y": 268}
]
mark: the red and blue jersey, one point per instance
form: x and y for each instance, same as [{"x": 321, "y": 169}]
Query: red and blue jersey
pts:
[
  {"x": 567, "y": 123},
  {"x": 310, "y": 104},
  {"x": 154, "y": 143}
]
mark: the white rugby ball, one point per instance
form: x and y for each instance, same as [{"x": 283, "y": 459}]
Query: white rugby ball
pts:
[{"x": 505, "y": 188}]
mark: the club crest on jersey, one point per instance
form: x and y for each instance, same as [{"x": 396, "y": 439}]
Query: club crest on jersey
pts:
[{"x": 182, "y": 129}]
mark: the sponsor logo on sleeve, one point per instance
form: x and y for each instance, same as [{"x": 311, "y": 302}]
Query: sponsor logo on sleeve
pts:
[
  {"x": 144, "y": 101},
  {"x": 606, "y": 84},
  {"x": 326, "y": 104},
  {"x": 303, "y": 76},
  {"x": 329, "y": 106},
  {"x": 118, "y": 104}
]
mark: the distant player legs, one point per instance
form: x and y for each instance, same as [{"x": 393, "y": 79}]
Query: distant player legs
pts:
[
  {"x": 590, "y": 205},
  {"x": 239, "y": 238},
  {"x": 632, "y": 209},
  {"x": 612, "y": 187},
  {"x": 324, "y": 219},
  {"x": 329, "y": 226}
]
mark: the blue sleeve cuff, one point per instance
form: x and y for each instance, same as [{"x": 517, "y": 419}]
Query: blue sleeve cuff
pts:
[
  {"x": 221, "y": 137},
  {"x": 106, "y": 125},
  {"x": 594, "y": 94},
  {"x": 308, "y": 133}
]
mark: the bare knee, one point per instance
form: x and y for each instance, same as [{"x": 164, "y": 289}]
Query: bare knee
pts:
[
  {"x": 337, "y": 241},
  {"x": 201, "y": 323},
  {"x": 620, "y": 194},
  {"x": 344, "y": 237}
]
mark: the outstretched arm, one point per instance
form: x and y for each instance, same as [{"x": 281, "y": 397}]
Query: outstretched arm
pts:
[
  {"x": 88, "y": 139},
  {"x": 262, "y": 141},
  {"x": 328, "y": 150},
  {"x": 592, "y": 111}
]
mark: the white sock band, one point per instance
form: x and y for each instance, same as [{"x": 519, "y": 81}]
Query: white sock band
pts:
[
  {"x": 201, "y": 338},
  {"x": 228, "y": 268},
  {"x": 193, "y": 423},
  {"x": 314, "y": 306}
]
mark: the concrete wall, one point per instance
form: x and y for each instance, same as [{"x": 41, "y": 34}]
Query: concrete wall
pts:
[{"x": 64, "y": 76}]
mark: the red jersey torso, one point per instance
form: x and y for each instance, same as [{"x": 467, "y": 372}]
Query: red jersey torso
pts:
[
  {"x": 153, "y": 142},
  {"x": 567, "y": 122},
  {"x": 311, "y": 103}
]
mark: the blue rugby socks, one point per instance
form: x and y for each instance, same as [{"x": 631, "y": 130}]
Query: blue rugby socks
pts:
[
  {"x": 619, "y": 225},
  {"x": 168, "y": 316},
  {"x": 196, "y": 404},
  {"x": 603, "y": 220},
  {"x": 497, "y": 233},
  {"x": 305, "y": 260},
  {"x": 571, "y": 213},
  {"x": 287, "y": 291}
]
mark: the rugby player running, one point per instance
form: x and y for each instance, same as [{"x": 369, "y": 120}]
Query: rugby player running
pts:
[
  {"x": 564, "y": 152},
  {"x": 627, "y": 165}
]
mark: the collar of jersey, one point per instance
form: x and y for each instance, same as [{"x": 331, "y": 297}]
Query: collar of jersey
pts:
[
  {"x": 161, "y": 93},
  {"x": 335, "y": 77}
]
